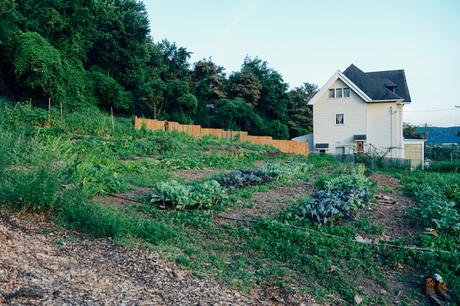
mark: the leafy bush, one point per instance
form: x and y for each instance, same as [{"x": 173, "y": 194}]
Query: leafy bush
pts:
[
  {"x": 180, "y": 196},
  {"x": 96, "y": 176},
  {"x": 32, "y": 189}
]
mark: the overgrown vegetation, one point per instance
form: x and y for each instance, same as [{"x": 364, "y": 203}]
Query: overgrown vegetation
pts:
[
  {"x": 59, "y": 170},
  {"x": 101, "y": 54}
]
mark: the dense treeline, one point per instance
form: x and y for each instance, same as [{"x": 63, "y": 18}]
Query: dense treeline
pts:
[{"x": 100, "y": 53}]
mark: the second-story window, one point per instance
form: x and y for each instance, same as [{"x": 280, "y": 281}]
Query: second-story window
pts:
[
  {"x": 346, "y": 92},
  {"x": 339, "y": 119}
]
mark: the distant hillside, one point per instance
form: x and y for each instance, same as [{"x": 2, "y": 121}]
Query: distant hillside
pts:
[{"x": 438, "y": 135}]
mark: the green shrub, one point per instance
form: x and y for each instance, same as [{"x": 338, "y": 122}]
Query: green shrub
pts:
[
  {"x": 30, "y": 189},
  {"x": 97, "y": 176},
  {"x": 180, "y": 196}
]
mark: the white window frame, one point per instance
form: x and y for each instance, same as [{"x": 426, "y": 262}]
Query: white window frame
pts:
[
  {"x": 349, "y": 92},
  {"x": 332, "y": 90},
  {"x": 343, "y": 119},
  {"x": 337, "y": 90}
]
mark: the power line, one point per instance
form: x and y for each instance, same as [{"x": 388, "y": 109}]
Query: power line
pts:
[{"x": 429, "y": 111}]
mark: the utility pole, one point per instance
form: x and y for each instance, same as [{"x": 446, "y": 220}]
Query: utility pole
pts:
[{"x": 458, "y": 132}]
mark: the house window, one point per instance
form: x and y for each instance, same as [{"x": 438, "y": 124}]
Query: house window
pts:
[
  {"x": 331, "y": 93},
  {"x": 346, "y": 92},
  {"x": 338, "y": 92},
  {"x": 339, "y": 119}
]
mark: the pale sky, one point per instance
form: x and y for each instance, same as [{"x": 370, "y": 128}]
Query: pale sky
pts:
[{"x": 307, "y": 41}]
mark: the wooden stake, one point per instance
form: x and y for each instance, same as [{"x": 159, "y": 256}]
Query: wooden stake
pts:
[
  {"x": 49, "y": 112},
  {"x": 113, "y": 122}
]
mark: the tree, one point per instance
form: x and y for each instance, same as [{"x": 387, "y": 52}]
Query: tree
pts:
[
  {"x": 274, "y": 99},
  {"x": 410, "y": 131},
  {"x": 207, "y": 82},
  {"x": 300, "y": 113},
  {"x": 245, "y": 85},
  {"x": 237, "y": 114}
]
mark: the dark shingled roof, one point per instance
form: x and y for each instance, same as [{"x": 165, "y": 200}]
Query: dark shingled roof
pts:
[{"x": 379, "y": 85}]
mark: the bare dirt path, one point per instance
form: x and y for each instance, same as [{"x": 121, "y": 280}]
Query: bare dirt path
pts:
[
  {"x": 272, "y": 202},
  {"x": 391, "y": 211},
  {"x": 38, "y": 266}
]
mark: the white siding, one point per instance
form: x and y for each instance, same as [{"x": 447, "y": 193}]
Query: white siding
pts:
[
  {"x": 324, "y": 128},
  {"x": 384, "y": 128}
]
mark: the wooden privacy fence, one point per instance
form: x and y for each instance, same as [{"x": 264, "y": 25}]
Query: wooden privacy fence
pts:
[{"x": 285, "y": 146}]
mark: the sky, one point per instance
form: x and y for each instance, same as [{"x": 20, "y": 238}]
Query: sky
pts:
[{"x": 307, "y": 41}]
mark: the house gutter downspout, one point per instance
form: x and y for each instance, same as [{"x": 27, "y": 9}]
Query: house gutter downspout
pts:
[{"x": 391, "y": 130}]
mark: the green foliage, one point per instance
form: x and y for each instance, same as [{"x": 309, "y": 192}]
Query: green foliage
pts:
[
  {"x": 180, "y": 196},
  {"x": 355, "y": 180},
  {"x": 109, "y": 92},
  {"x": 438, "y": 201},
  {"x": 410, "y": 131},
  {"x": 271, "y": 171},
  {"x": 442, "y": 152},
  {"x": 95, "y": 176},
  {"x": 38, "y": 64},
  {"x": 326, "y": 206},
  {"x": 445, "y": 166},
  {"x": 279, "y": 130},
  {"x": 246, "y": 177},
  {"x": 75, "y": 211},
  {"x": 101, "y": 53},
  {"x": 340, "y": 195},
  {"x": 300, "y": 113}
]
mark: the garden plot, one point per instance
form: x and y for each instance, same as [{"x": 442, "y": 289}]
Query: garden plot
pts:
[
  {"x": 270, "y": 203},
  {"x": 391, "y": 208}
]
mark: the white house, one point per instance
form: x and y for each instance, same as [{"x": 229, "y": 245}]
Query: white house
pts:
[{"x": 362, "y": 112}]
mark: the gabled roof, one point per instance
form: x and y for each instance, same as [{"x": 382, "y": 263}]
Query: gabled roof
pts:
[
  {"x": 375, "y": 86},
  {"x": 339, "y": 75},
  {"x": 380, "y": 85}
]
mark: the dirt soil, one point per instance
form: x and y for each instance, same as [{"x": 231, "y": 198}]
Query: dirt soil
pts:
[
  {"x": 125, "y": 198},
  {"x": 271, "y": 203},
  {"x": 391, "y": 211},
  {"x": 39, "y": 266},
  {"x": 197, "y": 174}
]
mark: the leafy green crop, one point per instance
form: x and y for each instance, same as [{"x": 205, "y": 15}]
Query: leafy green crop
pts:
[
  {"x": 249, "y": 177},
  {"x": 180, "y": 196}
]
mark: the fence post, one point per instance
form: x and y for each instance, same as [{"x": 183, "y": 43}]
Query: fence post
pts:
[
  {"x": 113, "y": 122},
  {"x": 49, "y": 112}
]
